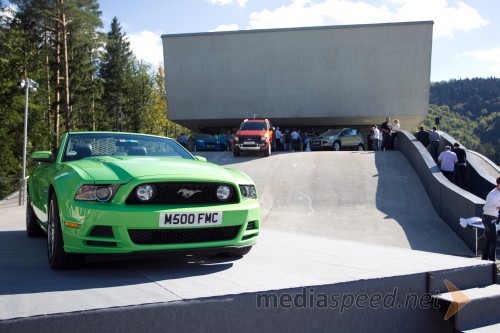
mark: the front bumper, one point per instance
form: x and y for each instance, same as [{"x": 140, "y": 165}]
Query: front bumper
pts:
[
  {"x": 255, "y": 147},
  {"x": 130, "y": 228}
]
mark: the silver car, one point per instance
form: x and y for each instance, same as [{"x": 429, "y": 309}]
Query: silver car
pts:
[{"x": 337, "y": 139}]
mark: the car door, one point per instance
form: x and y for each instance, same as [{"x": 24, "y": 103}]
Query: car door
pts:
[
  {"x": 41, "y": 179},
  {"x": 349, "y": 138}
]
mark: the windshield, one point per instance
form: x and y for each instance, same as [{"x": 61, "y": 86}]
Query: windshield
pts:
[
  {"x": 332, "y": 132},
  {"x": 81, "y": 145},
  {"x": 253, "y": 125},
  {"x": 200, "y": 136}
]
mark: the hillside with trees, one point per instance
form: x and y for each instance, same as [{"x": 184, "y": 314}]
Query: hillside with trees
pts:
[{"x": 469, "y": 110}]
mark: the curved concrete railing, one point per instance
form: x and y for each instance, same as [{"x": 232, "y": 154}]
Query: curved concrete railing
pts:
[{"x": 450, "y": 201}]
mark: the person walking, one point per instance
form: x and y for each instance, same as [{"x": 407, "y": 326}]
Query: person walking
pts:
[
  {"x": 490, "y": 215},
  {"x": 423, "y": 137},
  {"x": 461, "y": 167},
  {"x": 376, "y": 138},
  {"x": 394, "y": 132},
  {"x": 434, "y": 145},
  {"x": 448, "y": 159},
  {"x": 386, "y": 129},
  {"x": 222, "y": 139},
  {"x": 288, "y": 140},
  {"x": 295, "y": 140},
  {"x": 279, "y": 140},
  {"x": 370, "y": 139},
  {"x": 182, "y": 139},
  {"x": 229, "y": 141}
]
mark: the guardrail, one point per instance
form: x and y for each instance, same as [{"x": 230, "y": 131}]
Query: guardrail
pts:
[
  {"x": 10, "y": 188},
  {"x": 450, "y": 201}
]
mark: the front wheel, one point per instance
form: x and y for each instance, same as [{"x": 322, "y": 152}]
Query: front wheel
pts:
[
  {"x": 236, "y": 152},
  {"x": 58, "y": 258},
  {"x": 360, "y": 147},
  {"x": 336, "y": 146},
  {"x": 267, "y": 152}
]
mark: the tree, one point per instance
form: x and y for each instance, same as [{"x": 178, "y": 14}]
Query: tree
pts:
[
  {"x": 155, "y": 118},
  {"x": 116, "y": 69}
]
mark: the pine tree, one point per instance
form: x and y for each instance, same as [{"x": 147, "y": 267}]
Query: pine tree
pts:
[{"x": 116, "y": 68}]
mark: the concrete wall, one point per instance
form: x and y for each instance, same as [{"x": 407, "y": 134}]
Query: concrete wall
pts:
[
  {"x": 450, "y": 201},
  {"x": 343, "y": 75}
]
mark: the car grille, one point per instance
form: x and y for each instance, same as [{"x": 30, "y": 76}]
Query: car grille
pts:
[
  {"x": 184, "y": 194},
  {"x": 177, "y": 236},
  {"x": 255, "y": 139}
]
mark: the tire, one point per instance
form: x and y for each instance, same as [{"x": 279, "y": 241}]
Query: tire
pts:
[
  {"x": 236, "y": 152},
  {"x": 32, "y": 227},
  {"x": 360, "y": 147},
  {"x": 336, "y": 146},
  {"x": 267, "y": 152},
  {"x": 235, "y": 253},
  {"x": 58, "y": 258}
]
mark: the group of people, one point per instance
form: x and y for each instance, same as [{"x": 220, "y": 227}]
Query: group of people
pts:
[
  {"x": 452, "y": 160},
  {"x": 453, "y": 164},
  {"x": 226, "y": 141},
  {"x": 430, "y": 140},
  {"x": 292, "y": 141},
  {"x": 383, "y": 137}
]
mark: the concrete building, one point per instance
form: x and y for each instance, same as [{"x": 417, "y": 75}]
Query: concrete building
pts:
[{"x": 330, "y": 76}]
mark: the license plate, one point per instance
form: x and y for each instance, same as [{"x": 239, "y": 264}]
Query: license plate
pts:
[
  {"x": 210, "y": 145},
  {"x": 250, "y": 142},
  {"x": 315, "y": 143},
  {"x": 180, "y": 220}
]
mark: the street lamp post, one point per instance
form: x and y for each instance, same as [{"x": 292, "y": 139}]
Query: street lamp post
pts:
[{"x": 28, "y": 85}]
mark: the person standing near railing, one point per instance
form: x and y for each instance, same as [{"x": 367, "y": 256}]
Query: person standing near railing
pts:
[
  {"x": 490, "y": 214},
  {"x": 434, "y": 137}
]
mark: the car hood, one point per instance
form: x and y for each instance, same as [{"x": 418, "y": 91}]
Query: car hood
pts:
[
  {"x": 323, "y": 137},
  {"x": 208, "y": 140},
  {"x": 122, "y": 169}
]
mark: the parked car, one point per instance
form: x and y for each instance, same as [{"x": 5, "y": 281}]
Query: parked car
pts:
[
  {"x": 337, "y": 139},
  {"x": 113, "y": 193},
  {"x": 201, "y": 141},
  {"x": 254, "y": 135}
]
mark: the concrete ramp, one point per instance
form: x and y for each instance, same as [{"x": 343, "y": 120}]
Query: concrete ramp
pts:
[{"x": 375, "y": 198}]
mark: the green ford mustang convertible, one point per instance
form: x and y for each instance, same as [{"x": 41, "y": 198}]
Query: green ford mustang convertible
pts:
[{"x": 111, "y": 193}]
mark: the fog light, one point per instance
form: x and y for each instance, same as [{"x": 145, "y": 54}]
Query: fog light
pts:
[
  {"x": 223, "y": 192},
  {"x": 144, "y": 192}
]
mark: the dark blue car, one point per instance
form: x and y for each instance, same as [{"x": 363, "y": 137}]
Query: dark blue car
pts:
[{"x": 200, "y": 141}]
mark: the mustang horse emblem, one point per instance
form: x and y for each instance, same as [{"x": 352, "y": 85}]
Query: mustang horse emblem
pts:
[{"x": 187, "y": 193}]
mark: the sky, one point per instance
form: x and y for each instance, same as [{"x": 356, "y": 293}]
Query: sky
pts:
[{"x": 466, "y": 34}]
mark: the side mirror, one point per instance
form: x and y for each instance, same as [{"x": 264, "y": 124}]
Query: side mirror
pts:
[{"x": 43, "y": 156}]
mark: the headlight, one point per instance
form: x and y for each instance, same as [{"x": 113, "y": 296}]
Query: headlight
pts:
[
  {"x": 248, "y": 191},
  {"x": 224, "y": 192},
  {"x": 145, "y": 192},
  {"x": 102, "y": 193},
  {"x": 263, "y": 139},
  {"x": 236, "y": 138}
]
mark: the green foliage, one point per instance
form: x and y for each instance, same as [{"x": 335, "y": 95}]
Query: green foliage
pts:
[
  {"x": 108, "y": 88},
  {"x": 470, "y": 111}
]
